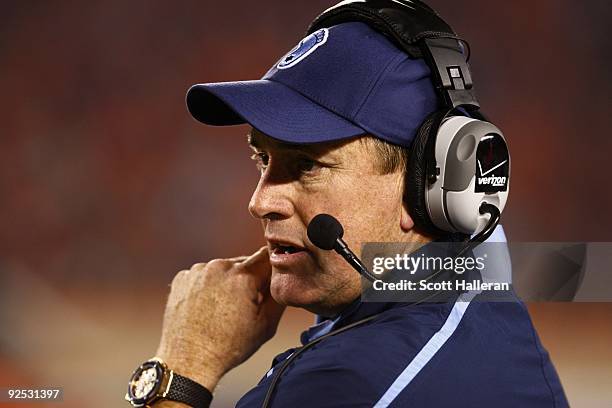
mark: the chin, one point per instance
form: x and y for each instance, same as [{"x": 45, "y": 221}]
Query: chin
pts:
[
  {"x": 293, "y": 290},
  {"x": 298, "y": 291}
]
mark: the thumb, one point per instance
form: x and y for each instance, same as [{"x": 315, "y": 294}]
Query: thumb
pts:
[{"x": 259, "y": 263}]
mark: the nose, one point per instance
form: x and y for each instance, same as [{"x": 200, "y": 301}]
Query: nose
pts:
[{"x": 271, "y": 199}]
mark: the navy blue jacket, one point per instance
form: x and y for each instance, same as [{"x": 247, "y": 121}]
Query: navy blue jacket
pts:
[{"x": 452, "y": 354}]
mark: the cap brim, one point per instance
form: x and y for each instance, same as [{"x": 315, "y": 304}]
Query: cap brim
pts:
[{"x": 270, "y": 107}]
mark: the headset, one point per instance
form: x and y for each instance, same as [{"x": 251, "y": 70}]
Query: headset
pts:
[
  {"x": 459, "y": 164},
  {"x": 458, "y": 172}
]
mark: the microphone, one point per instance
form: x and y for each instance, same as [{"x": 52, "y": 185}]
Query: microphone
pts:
[{"x": 326, "y": 233}]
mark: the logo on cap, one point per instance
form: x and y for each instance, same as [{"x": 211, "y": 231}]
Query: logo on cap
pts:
[{"x": 304, "y": 49}]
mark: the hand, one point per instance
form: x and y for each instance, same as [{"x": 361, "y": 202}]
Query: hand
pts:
[{"x": 217, "y": 315}]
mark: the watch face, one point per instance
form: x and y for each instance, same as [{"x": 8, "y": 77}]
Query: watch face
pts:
[{"x": 145, "y": 383}]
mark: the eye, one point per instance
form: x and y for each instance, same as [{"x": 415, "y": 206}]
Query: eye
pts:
[
  {"x": 261, "y": 160},
  {"x": 307, "y": 165}
]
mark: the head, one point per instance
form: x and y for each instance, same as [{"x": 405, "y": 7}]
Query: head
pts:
[
  {"x": 359, "y": 180},
  {"x": 315, "y": 111}
]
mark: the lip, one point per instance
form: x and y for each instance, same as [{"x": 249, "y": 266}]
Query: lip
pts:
[{"x": 280, "y": 258}]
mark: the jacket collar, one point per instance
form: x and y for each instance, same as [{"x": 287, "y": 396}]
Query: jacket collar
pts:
[{"x": 355, "y": 311}]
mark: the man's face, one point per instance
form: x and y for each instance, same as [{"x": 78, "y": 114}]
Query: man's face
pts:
[{"x": 300, "y": 181}]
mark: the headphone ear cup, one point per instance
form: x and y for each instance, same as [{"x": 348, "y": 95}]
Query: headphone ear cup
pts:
[{"x": 416, "y": 174}]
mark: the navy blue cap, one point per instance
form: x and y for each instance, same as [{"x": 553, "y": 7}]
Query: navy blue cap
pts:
[{"x": 338, "y": 82}]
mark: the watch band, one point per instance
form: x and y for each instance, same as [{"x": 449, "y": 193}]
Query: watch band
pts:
[{"x": 189, "y": 392}]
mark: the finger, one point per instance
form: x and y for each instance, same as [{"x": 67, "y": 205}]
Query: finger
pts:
[
  {"x": 180, "y": 275},
  {"x": 259, "y": 262},
  {"x": 238, "y": 259}
]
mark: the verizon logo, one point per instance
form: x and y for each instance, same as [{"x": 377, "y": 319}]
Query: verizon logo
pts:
[{"x": 493, "y": 181}]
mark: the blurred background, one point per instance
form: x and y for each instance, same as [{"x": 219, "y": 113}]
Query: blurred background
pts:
[{"x": 108, "y": 187}]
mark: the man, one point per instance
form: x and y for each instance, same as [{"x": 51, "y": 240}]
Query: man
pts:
[{"x": 331, "y": 124}]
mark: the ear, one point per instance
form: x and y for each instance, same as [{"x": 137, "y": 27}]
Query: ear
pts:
[{"x": 406, "y": 222}]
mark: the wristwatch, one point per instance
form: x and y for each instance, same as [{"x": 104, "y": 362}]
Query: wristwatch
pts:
[{"x": 154, "y": 381}]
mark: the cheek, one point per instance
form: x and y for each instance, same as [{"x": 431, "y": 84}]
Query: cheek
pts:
[
  {"x": 372, "y": 215},
  {"x": 356, "y": 199}
]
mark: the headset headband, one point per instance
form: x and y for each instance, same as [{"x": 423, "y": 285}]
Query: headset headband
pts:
[{"x": 418, "y": 30}]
